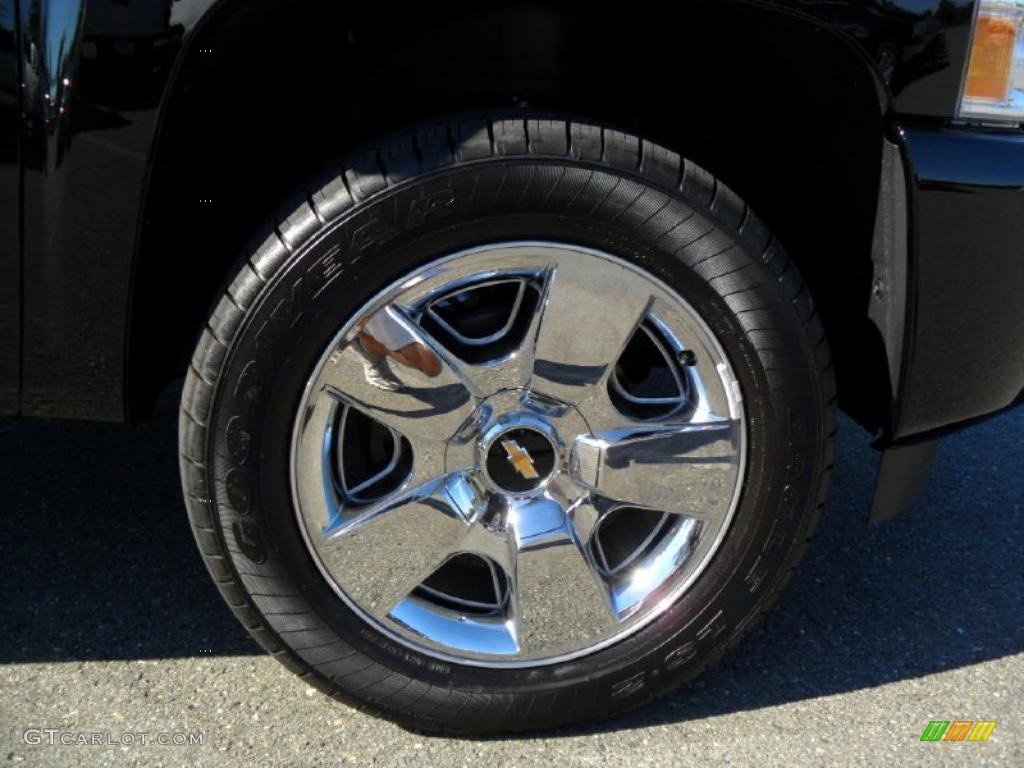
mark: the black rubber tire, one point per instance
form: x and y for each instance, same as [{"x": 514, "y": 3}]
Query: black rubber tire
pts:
[{"x": 417, "y": 196}]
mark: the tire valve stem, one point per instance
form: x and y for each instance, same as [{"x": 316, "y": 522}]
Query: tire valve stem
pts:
[{"x": 687, "y": 357}]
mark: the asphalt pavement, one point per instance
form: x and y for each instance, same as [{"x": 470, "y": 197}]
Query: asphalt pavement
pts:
[{"x": 110, "y": 627}]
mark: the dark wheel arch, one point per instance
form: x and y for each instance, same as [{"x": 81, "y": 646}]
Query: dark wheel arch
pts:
[{"x": 244, "y": 105}]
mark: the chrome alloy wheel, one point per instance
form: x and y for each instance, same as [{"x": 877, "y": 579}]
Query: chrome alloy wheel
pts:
[{"x": 518, "y": 454}]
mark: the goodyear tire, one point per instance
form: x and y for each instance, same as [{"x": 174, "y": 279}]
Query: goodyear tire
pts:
[{"x": 617, "y": 217}]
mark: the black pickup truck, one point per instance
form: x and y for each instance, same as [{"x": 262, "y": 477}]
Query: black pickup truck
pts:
[{"x": 512, "y": 336}]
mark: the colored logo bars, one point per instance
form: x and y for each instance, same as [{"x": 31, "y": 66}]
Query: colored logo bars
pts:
[{"x": 958, "y": 730}]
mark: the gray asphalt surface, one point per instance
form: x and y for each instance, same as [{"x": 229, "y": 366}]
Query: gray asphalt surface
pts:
[{"x": 111, "y": 626}]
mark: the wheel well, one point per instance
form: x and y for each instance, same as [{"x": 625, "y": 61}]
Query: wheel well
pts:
[{"x": 788, "y": 114}]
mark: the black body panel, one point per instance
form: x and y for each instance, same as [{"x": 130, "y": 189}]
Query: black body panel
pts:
[
  {"x": 966, "y": 350},
  {"x": 89, "y": 113},
  {"x": 10, "y": 228},
  {"x": 919, "y": 47}
]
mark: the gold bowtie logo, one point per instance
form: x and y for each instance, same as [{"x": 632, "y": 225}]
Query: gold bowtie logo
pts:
[{"x": 520, "y": 459}]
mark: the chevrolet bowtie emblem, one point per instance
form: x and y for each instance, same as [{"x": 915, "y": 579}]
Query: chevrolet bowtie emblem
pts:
[{"x": 520, "y": 459}]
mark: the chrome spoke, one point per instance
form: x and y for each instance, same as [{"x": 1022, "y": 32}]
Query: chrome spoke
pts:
[
  {"x": 557, "y": 598},
  {"x": 686, "y": 468},
  {"x": 588, "y": 317},
  {"x": 584, "y": 516},
  {"x": 385, "y": 550},
  {"x": 393, "y": 371},
  {"x": 319, "y": 488}
]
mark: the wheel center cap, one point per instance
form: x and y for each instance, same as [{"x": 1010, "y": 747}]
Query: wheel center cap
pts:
[{"x": 520, "y": 459}]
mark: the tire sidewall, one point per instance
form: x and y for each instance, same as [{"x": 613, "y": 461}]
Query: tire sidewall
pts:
[{"x": 327, "y": 280}]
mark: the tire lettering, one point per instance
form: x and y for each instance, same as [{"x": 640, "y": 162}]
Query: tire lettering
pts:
[
  {"x": 249, "y": 541},
  {"x": 289, "y": 310},
  {"x": 628, "y": 687},
  {"x": 712, "y": 629},
  {"x": 325, "y": 269},
  {"x": 430, "y": 206},
  {"x": 236, "y": 439},
  {"x": 238, "y": 494},
  {"x": 374, "y": 232},
  {"x": 680, "y": 656},
  {"x": 249, "y": 383},
  {"x": 789, "y": 503},
  {"x": 755, "y": 577},
  {"x": 795, "y": 468},
  {"x": 284, "y": 315}
]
